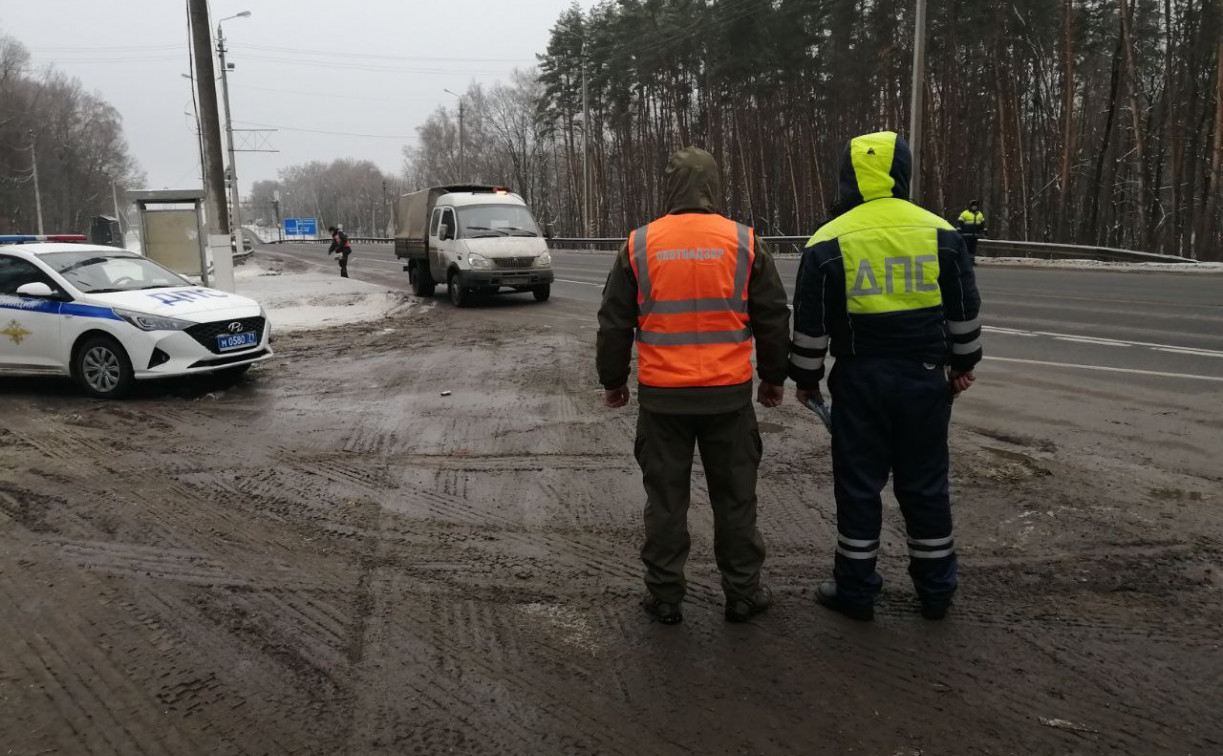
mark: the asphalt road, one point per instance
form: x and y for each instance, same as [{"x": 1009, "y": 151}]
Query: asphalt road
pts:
[{"x": 1149, "y": 327}]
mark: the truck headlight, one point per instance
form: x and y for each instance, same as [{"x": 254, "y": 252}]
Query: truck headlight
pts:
[
  {"x": 543, "y": 260},
  {"x": 153, "y": 322},
  {"x": 477, "y": 260}
]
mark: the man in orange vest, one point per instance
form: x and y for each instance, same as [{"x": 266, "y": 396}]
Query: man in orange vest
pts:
[{"x": 692, "y": 289}]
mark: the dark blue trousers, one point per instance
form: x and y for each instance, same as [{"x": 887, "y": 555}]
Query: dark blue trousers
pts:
[{"x": 890, "y": 415}]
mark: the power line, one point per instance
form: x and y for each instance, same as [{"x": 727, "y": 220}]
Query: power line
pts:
[
  {"x": 328, "y": 133},
  {"x": 328, "y": 96},
  {"x": 327, "y": 54}
]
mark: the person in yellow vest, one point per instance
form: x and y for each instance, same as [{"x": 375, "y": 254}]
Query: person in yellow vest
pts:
[
  {"x": 888, "y": 289},
  {"x": 971, "y": 225},
  {"x": 693, "y": 289}
]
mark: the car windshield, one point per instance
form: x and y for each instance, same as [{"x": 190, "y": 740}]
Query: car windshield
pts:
[
  {"x": 496, "y": 220},
  {"x": 94, "y": 272}
]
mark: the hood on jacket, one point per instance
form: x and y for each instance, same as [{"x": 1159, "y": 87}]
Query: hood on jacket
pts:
[
  {"x": 694, "y": 183},
  {"x": 874, "y": 166}
]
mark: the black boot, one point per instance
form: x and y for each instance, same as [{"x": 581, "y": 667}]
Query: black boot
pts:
[
  {"x": 664, "y": 611},
  {"x": 827, "y": 596},
  {"x": 741, "y": 610}
]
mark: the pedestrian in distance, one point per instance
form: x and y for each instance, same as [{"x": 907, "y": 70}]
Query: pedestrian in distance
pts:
[
  {"x": 340, "y": 246},
  {"x": 971, "y": 225},
  {"x": 692, "y": 288},
  {"x": 889, "y": 289}
]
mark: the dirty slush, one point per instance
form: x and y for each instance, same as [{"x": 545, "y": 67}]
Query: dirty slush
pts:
[{"x": 335, "y": 558}]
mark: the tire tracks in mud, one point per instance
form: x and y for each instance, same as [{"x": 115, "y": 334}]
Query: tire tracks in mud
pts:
[{"x": 338, "y": 559}]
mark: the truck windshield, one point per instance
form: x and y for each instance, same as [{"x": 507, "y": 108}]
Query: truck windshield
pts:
[
  {"x": 99, "y": 272},
  {"x": 496, "y": 220}
]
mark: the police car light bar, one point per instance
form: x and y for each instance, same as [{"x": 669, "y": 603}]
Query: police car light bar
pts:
[{"x": 26, "y": 238}]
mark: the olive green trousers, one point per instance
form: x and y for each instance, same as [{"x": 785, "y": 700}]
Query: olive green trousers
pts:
[{"x": 730, "y": 454}]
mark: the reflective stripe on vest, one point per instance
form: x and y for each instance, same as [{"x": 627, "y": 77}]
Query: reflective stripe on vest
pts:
[{"x": 693, "y": 326}]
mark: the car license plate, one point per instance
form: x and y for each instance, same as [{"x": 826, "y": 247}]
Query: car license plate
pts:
[{"x": 231, "y": 341}]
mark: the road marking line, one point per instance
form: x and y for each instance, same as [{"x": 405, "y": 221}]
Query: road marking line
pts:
[
  {"x": 1131, "y": 371},
  {"x": 1090, "y": 340},
  {"x": 1189, "y": 351},
  {"x": 1007, "y": 331},
  {"x": 583, "y": 283},
  {"x": 1131, "y": 343}
]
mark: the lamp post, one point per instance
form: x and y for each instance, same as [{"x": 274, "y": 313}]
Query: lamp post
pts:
[
  {"x": 229, "y": 135},
  {"x": 460, "y": 97},
  {"x": 919, "y": 91},
  {"x": 34, "y": 172}
]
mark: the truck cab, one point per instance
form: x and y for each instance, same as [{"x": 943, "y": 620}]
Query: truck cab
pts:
[{"x": 477, "y": 241}]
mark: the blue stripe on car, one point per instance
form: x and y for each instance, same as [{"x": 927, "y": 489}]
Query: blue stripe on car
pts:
[{"x": 51, "y": 307}]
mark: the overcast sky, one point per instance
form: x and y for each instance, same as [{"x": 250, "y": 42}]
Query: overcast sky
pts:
[{"x": 369, "y": 67}]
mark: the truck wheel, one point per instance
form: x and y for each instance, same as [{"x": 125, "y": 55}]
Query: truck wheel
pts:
[
  {"x": 542, "y": 292},
  {"x": 459, "y": 295},
  {"x": 422, "y": 281},
  {"x": 102, "y": 368}
]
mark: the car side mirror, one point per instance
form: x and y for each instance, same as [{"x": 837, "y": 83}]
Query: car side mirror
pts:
[
  {"x": 38, "y": 290},
  {"x": 443, "y": 232}
]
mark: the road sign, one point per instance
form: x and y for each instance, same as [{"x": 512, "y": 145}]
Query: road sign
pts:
[{"x": 301, "y": 226}]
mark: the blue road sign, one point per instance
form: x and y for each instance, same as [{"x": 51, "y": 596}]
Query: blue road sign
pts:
[{"x": 301, "y": 226}]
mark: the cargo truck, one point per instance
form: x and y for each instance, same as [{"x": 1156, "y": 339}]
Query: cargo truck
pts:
[{"x": 474, "y": 240}]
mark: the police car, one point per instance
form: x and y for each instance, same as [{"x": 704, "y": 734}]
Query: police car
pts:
[{"x": 108, "y": 317}]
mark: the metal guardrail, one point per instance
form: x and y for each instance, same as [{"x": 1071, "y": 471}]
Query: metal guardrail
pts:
[
  {"x": 351, "y": 240},
  {"x": 1049, "y": 251},
  {"x": 985, "y": 248}
]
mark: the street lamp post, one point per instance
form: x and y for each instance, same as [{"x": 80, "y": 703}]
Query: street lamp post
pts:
[
  {"x": 447, "y": 91},
  {"x": 229, "y": 136},
  {"x": 919, "y": 91},
  {"x": 34, "y": 171}
]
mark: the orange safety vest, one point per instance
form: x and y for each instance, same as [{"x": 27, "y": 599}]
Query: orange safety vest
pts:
[{"x": 693, "y": 327}]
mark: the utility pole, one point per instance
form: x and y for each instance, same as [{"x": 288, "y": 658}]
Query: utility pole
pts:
[
  {"x": 229, "y": 136},
  {"x": 280, "y": 232},
  {"x": 37, "y": 193},
  {"x": 210, "y": 132},
  {"x": 386, "y": 215},
  {"x": 456, "y": 94},
  {"x": 919, "y": 91}
]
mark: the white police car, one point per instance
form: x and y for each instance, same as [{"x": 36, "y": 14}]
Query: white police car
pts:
[{"x": 108, "y": 317}]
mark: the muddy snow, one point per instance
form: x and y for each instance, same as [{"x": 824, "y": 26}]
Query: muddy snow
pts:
[{"x": 333, "y": 557}]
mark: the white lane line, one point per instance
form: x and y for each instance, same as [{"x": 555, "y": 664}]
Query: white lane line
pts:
[
  {"x": 1131, "y": 343},
  {"x": 1007, "y": 331},
  {"x": 583, "y": 283},
  {"x": 1173, "y": 348},
  {"x": 1091, "y": 340},
  {"x": 1102, "y": 368},
  {"x": 1188, "y": 351}
]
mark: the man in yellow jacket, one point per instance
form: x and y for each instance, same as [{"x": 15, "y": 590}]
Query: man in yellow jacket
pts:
[{"x": 971, "y": 225}]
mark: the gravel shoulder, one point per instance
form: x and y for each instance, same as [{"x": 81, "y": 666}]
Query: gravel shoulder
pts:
[{"x": 332, "y": 557}]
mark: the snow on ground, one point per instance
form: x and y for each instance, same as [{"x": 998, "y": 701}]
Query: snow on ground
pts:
[
  {"x": 1208, "y": 267},
  {"x": 298, "y": 301}
]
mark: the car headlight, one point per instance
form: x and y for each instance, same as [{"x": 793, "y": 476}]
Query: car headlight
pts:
[
  {"x": 477, "y": 260},
  {"x": 153, "y": 322},
  {"x": 543, "y": 260}
]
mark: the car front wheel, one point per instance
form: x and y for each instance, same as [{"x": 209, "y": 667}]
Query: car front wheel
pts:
[{"x": 103, "y": 369}]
